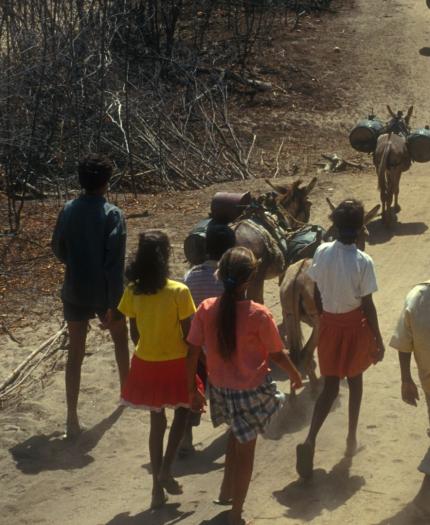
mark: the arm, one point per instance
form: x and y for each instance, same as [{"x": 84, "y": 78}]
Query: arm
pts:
[
  {"x": 185, "y": 325},
  {"x": 372, "y": 318},
  {"x": 115, "y": 257},
  {"x": 317, "y": 299},
  {"x": 197, "y": 399},
  {"x": 57, "y": 243},
  {"x": 134, "y": 334},
  {"x": 409, "y": 388},
  {"x": 282, "y": 359}
]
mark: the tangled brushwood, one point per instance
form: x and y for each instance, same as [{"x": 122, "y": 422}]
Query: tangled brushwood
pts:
[{"x": 147, "y": 82}]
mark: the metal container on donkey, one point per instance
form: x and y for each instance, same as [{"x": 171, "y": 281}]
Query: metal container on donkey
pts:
[
  {"x": 419, "y": 144},
  {"x": 195, "y": 243},
  {"x": 364, "y": 135}
]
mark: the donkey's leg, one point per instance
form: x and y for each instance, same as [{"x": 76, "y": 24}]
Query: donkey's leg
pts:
[
  {"x": 396, "y": 188},
  {"x": 308, "y": 353},
  {"x": 384, "y": 205},
  {"x": 389, "y": 197},
  {"x": 292, "y": 339}
]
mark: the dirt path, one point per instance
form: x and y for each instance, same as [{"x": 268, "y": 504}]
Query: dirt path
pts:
[{"x": 105, "y": 481}]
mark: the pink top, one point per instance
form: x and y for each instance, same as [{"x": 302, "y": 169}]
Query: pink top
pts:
[{"x": 257, "y": 336}]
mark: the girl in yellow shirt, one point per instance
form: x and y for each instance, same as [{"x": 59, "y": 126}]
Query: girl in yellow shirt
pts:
[{"x": 160, "y": 312}]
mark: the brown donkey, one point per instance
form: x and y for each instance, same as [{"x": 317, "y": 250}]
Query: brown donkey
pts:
[{"x": 391, "y": 158}]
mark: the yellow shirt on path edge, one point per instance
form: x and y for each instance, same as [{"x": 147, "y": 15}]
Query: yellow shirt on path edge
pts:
[
  {"x": 412, "y": 332},
  {"x": 158, "y": 318}
]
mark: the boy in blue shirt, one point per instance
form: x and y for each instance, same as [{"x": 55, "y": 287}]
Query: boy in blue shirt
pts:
[{"x": 89, "y": 239}]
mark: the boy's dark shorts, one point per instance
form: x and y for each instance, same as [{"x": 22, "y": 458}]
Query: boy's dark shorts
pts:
[{"x": 73, "y": 312}]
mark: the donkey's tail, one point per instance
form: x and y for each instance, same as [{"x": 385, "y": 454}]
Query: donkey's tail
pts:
[{"x": 382, "y": 168}]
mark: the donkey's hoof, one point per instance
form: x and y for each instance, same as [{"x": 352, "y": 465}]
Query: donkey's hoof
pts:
[{"x": 397, "y": 208}]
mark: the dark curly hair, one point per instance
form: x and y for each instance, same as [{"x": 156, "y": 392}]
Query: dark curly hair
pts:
[
  {"x": 149, "y": 271},
  {"x": 348, "y": 218},
  {"x": 94, "y": 171}
]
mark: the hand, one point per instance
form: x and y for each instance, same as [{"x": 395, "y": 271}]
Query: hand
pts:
[
  {"x": 379, "y": 356},
  {"x": 296, "y": 380},
  {"x": 197, "y": 402},
  {"x": 410, "y": 393},
  {"x": 106, "y": 320}
]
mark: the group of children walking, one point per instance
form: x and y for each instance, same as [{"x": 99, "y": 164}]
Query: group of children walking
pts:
[{"x": 220, "y": 352}]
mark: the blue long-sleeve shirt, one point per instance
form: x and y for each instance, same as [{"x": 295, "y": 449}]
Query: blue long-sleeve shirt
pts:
[{"x": 90, "y": 238}]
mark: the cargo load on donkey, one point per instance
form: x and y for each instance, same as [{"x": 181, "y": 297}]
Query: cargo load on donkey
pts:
[
  {"x": 364, "y": 135},
  {"x": 266, "y": 225},
  {"x": 394, "y": 146}
]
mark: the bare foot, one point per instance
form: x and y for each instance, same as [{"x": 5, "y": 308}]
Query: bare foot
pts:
[
  {"x": 305, "y": 459},
  {"x": 234, "y": 519},
  {"x": 171, "y": 485},
  {"x": 353, "y": 447},
  {"x": 159, "y": 498},
  {"x": 73, "y": 430},
  {"x": 225, "y": 502},
  {"x": 186, "y": 447}
]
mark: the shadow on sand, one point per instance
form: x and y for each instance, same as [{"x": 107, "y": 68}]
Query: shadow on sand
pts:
[
  {"x": 325, "y": 491},
  {"x": 53, "y": 452},
  {"x": 425, "y": 51},
  {"x": 296, "y": 413},
  {"x": 201, "y": 461},
  {"x": 379, "y": 233},
  {"x": 404, "y": 517},
  {"x": 169, "y": 514},
  {"x": 219, "y": 519}
]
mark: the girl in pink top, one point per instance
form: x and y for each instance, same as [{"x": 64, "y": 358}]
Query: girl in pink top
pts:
[{"x": 239, "y": 336}]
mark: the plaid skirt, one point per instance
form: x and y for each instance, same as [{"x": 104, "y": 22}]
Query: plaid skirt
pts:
[{"x": 246, "y": 412}]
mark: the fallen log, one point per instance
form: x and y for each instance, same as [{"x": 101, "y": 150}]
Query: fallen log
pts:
[{"x": 16, "y": 372}]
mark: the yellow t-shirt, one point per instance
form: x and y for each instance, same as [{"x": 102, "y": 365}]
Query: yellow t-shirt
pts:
[{"x": 158, "y": 319}]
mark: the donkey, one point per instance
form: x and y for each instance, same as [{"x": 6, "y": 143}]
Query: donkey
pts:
[
  {"x": 391, "y": 158},
  {"x": 298, "y": 302},
  {"x": 293, "y": 200}
]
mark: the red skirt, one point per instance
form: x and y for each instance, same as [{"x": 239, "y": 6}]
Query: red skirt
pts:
[
  {"x": 155, "y": 385},
  {"x": 346, "y": 345}
]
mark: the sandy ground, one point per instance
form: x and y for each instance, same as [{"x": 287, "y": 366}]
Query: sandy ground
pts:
[{"x": 104, "y": 479}]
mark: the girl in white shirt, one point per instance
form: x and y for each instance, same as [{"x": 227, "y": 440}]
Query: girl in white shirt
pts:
[{"x": 349, "y": 337}]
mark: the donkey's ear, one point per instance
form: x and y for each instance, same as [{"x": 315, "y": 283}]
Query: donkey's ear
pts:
[
  {"x": 331, "y": 205},
  {"x": 390, "y": 111},
  {"x": 311, "y": 185},
  {"x": 295, "y": 184},
  {"x": 282, "y": 190},
  {"x": 370, "y": 215},
  {"x": 409, "y": 114}
]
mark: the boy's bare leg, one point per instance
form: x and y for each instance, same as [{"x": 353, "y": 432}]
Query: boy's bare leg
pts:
[
  {"x": 77, "y": 336},
  {"x": 243, "y": 464},
  {"x": 156, "y": 438},
  {"x": 119, "y": 333},
  {"x": 355, "y": 385}
]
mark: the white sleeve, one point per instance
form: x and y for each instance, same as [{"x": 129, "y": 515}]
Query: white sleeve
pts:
[
  {"x": 402, "y": 338},
  {"x": 368, "y": 283},
  {"x": 313, "y": 270}
]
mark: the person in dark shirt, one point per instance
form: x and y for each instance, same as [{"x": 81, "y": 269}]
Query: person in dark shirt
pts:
[{"x": 89, "y": 239}]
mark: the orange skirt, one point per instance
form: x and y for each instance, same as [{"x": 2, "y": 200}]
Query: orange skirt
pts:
[
  {"x": 346, "y": 345},
  {"x": 155, "y": 385}
]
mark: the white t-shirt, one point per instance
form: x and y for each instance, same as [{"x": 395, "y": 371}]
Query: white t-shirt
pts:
[
  {"x": 412, "y": 333},
  {"x": 344, "y": 274}
]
